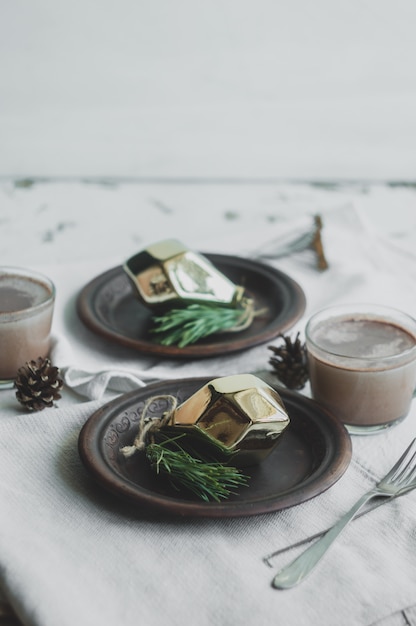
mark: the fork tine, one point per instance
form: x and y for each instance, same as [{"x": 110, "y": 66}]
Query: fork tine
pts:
[
  {"x": 407, "y": 471},
  {"x": 410, "y": 475},
  {"x": 401, "y": 464},
  {"x": 411, "y": 479}
]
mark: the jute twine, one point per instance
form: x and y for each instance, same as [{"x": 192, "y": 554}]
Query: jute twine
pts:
[{"x": 148, "y": 425}]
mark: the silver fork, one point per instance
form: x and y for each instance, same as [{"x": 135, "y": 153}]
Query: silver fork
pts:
[{"x": 399, "y": 480}]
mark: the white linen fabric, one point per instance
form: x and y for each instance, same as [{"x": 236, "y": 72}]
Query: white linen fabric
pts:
[{"x": 72, "y": 554}]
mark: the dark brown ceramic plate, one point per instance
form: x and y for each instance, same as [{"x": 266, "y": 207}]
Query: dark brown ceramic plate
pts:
[
  {"x": 109, "y": 307},
  {"x": 313, "y": 454}
]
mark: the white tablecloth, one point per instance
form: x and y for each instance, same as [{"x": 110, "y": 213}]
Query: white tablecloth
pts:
[{"x": 72, "y": 554}]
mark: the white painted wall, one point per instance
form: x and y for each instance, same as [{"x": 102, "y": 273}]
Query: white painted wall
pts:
[{"x": 220, "y": 88}]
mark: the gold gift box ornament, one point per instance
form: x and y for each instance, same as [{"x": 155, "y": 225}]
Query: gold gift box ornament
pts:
[
  {"x": 199, "y": 446},
  {"x": 167, "y": 272},
  {"x": 189, "y": 297},
  {"x": 237, "y": 419},
  {"x": 240, "y": 416}
]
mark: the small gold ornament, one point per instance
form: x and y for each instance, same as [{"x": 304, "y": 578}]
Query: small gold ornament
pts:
[
  {"x": 241, "y": 414},
  {"x": 168, "y": 273},
  {"x": 190, "y": 299},
  {"x": 234, "y": 419}
]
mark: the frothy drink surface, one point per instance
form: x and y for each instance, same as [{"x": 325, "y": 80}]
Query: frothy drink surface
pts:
[
  {"x": 24, "y": 330},
  {"x": 363, "y": 338},
  {"x": 17, "y": 293},
  {"x": 368, "y": 390}
]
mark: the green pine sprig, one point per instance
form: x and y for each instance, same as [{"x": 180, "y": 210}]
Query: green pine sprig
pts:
[
  {"x": 187, "y": 325},
  {"x": 207, "y": 480}
]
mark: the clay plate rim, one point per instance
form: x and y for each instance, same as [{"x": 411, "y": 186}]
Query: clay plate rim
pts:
[
  {"x": 318, "y": 448},
  {"x": 108, "y": 306}
]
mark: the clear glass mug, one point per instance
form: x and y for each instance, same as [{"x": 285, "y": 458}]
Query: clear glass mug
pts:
[
  {"x": 26, "y": 309},
  {"x": 362, "y": 364}
]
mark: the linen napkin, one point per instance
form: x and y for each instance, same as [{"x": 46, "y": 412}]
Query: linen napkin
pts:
[{"x": 70, "y": 553}]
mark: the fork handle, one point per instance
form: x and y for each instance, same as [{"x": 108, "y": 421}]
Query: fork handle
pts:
[{"x": 297, "y": 570}]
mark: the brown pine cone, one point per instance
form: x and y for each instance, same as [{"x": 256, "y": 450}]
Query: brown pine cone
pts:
[
  {"x": 290, "y": 362},
  {"x": 38, "y": 384}
]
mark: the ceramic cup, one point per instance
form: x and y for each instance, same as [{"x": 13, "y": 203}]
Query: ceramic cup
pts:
[
  {"x": 26, "y": 309},
  {"x": 362, "y": 364}
]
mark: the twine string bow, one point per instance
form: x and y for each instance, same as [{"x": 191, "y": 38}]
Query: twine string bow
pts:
[{"x": 149, "y": 424}]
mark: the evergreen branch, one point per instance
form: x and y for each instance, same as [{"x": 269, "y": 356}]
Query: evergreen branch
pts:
[
  {"x": 187, "y": 325},
  {"x": 207, "y": 480}
]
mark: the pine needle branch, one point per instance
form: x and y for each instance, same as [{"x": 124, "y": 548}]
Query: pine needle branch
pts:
[
  {"x": 187, "y": 325},
  {"x": 207, "y": 480}
]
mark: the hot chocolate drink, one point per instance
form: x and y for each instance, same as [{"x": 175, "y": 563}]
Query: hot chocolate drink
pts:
[
  {"x": 17, "y": 293},
  {"x": 362, "y": 366},
  {"x": 26, "y": 306}
]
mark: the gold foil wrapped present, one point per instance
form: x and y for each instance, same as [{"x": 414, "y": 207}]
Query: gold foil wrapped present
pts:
[
  {"x": 168, "y": 271},
  {"x": 240, "y": 414}
]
